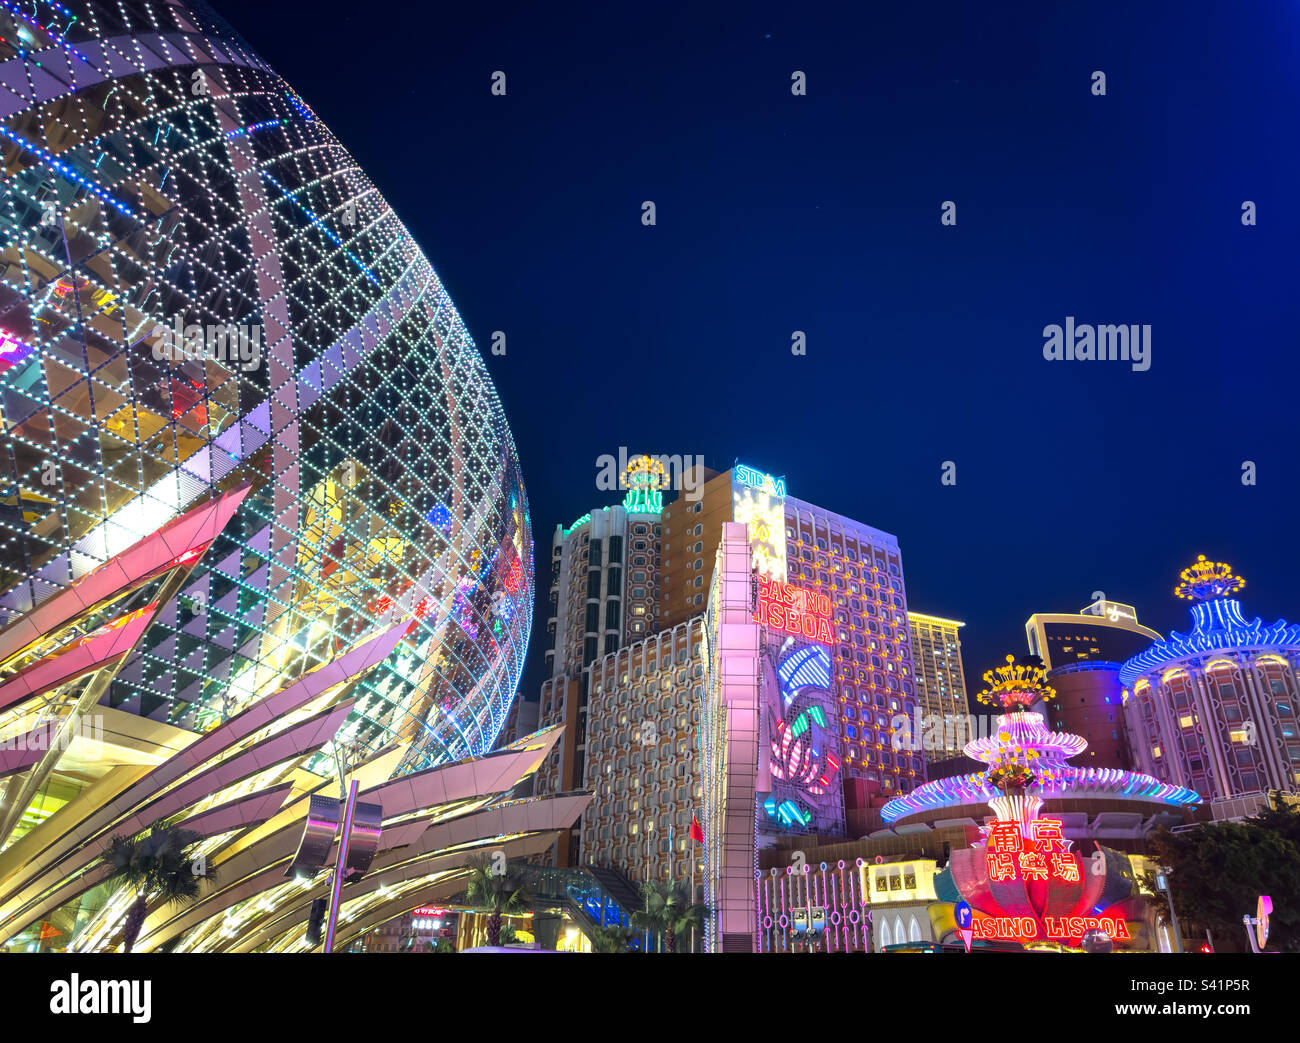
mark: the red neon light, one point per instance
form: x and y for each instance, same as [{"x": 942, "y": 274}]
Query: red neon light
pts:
[
  {"x": 1010, "y": 855},
  {"x": 1058, "y": 928},
  {"x": 793, "y": 610}
]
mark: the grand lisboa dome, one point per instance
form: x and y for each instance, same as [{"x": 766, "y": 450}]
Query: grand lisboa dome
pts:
[{"x": 242, "y": 426}]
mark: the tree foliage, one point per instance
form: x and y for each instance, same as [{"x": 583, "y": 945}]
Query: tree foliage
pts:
[
  {"x": 668, "y": 912},
  {"x": 1218, "y": 870},
  {"x": 157, "y": 865},
  {"x": 611, "y": 939},
  {"x": 497, "y": 894}
]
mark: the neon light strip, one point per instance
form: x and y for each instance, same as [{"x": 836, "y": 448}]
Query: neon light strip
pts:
[{"x": 68, "y": 172}]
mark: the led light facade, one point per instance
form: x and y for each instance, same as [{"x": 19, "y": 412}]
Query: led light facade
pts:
[{"x": 200, "y": 290}]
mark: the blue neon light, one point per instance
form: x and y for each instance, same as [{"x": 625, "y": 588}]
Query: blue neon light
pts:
[
  {"x": 804, "y": 667},
  {"x": 759, "y": 480},
  {"x": 68, "y": 172},
  {"x": 239, "y": 131},
  {"x": 1216, "y": 625},
  {"x": 321, "y": 225}
]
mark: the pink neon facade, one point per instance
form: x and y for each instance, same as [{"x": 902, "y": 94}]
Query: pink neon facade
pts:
[{"x": 731, "y": 750}]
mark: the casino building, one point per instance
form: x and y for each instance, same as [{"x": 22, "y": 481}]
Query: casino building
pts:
[
  {"x": 1215, "y": 709},
  {"x": 1082, "y": 654},
  {"x": 252, "y": 458},
  {"x": 632, "y": 684}
]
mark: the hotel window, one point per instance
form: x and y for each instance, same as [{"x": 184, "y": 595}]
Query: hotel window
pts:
[{"x": 1186, "y": 721}]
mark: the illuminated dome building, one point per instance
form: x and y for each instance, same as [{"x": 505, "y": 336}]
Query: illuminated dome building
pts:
[
  {"x": 244, "y": 431},
  {"x": 1214, "y": 709},
  {"x": 1027, "y": 765}
]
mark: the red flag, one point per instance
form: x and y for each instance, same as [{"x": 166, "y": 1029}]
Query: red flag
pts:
[{"x": 697, "y": 834}]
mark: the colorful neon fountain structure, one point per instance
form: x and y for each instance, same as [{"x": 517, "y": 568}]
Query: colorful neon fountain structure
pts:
[
  {"x": 1027, "y": 762},
  {"x": 1022, "y": 880}
]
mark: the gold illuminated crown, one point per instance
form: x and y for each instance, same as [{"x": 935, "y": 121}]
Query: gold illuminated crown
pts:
[
  {"x": 642, "y": 472},
  {"x": 1205, "y": 580},
  {"x": 1015, "y": 685}
]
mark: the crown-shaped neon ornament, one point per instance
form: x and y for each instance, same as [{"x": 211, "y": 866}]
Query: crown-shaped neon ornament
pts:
[
  {"x": 643, "y": 479},
  {"x": 1016, "y": 686},
  {"x": 1206, "y": 580}
]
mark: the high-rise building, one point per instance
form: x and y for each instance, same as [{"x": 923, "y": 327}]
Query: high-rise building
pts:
[
  {"x": 940, "y": 681},
  {"x": 1104, "y": 631},
  {"x": 1082, "y": 653},
  {"x": 1215, "y": 709},
  {"x": 665, "y": 567},
  {"x": 643, "y": 717},
  {"x": 858, "y": 568},
  {"x": 604, "y": 592},
  {"x": 263, "y": 516}
]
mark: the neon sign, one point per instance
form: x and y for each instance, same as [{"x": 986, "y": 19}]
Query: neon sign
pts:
[
  {"x": 1111, "y": 610},
  {"x": 1058, "y": 928},
  {"x": 1043, "y": 854},
  {"x": 764, "y": 518},
  {"x": 792, "y": 610},
  {"x": 759, "y": 480}
]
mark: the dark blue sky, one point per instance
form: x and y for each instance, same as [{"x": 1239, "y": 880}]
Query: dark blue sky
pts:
[{"x": 821, "y": 214}]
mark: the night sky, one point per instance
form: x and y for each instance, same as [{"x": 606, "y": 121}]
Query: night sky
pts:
[{"x": 822, "y": 214}]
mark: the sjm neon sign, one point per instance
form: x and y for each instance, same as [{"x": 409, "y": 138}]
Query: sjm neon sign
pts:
[{"x": 759, "y": 480}]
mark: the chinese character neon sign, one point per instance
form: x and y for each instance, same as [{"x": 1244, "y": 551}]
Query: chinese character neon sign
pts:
[
  {"x": 1043, "y": 854},
  {"x": 792, "y": 610}
]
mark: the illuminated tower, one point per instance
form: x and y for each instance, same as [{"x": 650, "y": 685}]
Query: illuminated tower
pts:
[
  {"x": 604, "y": 596},
  {"x": 1214, "y": 709}
]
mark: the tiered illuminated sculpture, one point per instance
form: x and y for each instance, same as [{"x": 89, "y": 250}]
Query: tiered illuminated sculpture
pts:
[
  {"x": 1023, "y": 881},
  {"x": 1027, "y": 762}
]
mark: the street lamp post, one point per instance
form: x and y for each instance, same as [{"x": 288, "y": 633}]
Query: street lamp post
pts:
[{"x": 1162, "y": 883}]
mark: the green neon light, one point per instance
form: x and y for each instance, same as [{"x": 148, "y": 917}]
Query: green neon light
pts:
[{"x": 643, "y": 500}]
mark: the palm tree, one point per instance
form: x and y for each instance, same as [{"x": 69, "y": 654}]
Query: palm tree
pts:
[
  {"x": 157, "y": 864},
  {"x": 611, "y": 939},
  {"x": 668, "y": 911},
  {"x": 494, "y": 893}
]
